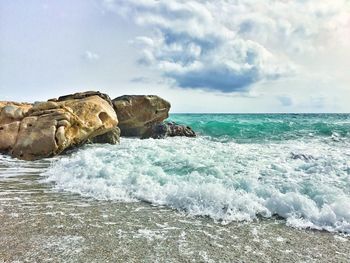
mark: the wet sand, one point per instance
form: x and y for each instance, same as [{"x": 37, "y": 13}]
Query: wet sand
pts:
[{"x": 41, "y": 225}]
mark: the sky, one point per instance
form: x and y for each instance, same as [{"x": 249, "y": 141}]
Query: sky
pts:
[{"x": 203, "y": 56}]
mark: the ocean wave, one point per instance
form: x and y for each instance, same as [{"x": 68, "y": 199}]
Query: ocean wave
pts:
[{"x": 226, "y": 181}]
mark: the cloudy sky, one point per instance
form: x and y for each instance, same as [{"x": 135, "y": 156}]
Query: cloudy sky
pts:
[{"x": 201, "y": 55}]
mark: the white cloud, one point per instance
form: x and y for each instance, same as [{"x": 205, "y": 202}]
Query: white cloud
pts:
[
  {"x": 230, "y": 45},
  {"x": 91, "y": 56}
]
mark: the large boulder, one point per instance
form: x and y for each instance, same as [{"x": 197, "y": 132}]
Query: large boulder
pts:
[
  {"x": 138, "y": 113},
  {"x": 48, "y": 128}
]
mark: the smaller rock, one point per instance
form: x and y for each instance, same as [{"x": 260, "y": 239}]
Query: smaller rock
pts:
[
  {"x": 180, "y": 130},
  {"x": 301, "y": 156},
  {"x": 111, "y": 137},
  {"x": 169, "y": 129}
]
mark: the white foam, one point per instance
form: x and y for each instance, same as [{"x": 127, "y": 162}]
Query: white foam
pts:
[
  {"x": 226, "y": 181},
  {"x": 11, "y": 167}
]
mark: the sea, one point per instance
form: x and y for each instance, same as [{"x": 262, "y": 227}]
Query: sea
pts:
[{"x": 255, "y": 187}]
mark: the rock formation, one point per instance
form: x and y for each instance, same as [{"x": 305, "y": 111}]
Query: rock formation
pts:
[
  {"x": 44, "y": 129},
  {"x": 138, "y": 113},
  {"x": 48, "y": 128}
]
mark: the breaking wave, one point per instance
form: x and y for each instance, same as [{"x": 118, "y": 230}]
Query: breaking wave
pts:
[{"x": 305, "y": 181}]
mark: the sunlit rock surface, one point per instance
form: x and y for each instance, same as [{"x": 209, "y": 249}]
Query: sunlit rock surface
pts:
[
  {"x": 138, "y": 113},
  {"x": 46, "y": 129}
]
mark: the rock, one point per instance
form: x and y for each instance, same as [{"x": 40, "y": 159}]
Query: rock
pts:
[
  {"x": 169, "y": 129},
  {"x": 111, "y": 137},
  {"x": 301, "y": 156},
  {"x": 138, "y": 113},
  {"x": 82, "y": 95},
  {"x": 175, "y": 129},
  {"x": 44, "y": 129},
  {"x": 48, "y": 128},
  {"x": 12, "y": 111},
  {"x": 8, "y": 135}
]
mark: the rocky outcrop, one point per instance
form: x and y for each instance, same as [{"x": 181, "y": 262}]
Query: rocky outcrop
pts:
[
  {"x": 45, "y": 129},
  {"x": 138, "y": 113},
  {"x": 169, "y": 129},
  {"x": 48, "y": 128}
]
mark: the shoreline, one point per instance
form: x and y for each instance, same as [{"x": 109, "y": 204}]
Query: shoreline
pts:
[{"x": 39, "y": 224}]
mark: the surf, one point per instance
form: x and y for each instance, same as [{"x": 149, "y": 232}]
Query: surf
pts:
[{"x": 306, "y": 181}]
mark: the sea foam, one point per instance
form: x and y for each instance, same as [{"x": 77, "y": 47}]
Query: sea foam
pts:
[{"x": 226, "y": 181}]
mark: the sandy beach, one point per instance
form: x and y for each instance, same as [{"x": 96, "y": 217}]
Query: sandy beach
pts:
[{"x": 41, "y": 225}]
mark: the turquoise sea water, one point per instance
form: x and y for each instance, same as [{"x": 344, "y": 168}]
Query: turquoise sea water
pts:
[
  {"x": 241, "y": 167},
  {"x": 251, "y": 128}
]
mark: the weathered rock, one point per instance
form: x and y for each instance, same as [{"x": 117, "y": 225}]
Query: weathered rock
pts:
[
  {"x": 138, "y": 113},
  {"x": 48, "y": 128},
  {"x": 175, "y": 129},
  {"x": 12, "y": 111},
  {"x": 8, "y": 135},
  {"x": 169, "y": 129},
  {"x": 111, "y": 137},
  {"x": 44, "y": 129},
  {"x": 82, "y": 95},
  {"x": 301, "y": 156}
]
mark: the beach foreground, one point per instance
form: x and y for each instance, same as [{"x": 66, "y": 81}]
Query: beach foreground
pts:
[{"x": 41, "y": 225}]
